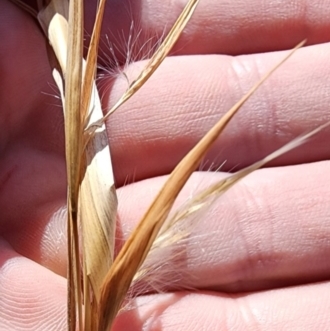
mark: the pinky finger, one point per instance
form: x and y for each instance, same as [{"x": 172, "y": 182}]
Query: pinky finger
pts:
[
  {"x": 296, "y": 308},
  {"x": 32, "y": 297}
]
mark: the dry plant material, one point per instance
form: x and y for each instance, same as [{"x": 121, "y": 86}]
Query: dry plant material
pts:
[
  {"x": 138, "y": 245},
  {"x": 64, "y": 27},
  {"x": 98, "y": 283},
  {"x": 158, "y": 57},
  {"x": 92, "y": 201}
]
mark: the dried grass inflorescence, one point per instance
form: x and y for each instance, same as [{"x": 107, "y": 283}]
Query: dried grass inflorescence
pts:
[{"x": 95, "y": 301}]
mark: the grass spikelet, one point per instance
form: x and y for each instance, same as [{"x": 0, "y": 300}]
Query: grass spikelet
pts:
[
  {"x": 99, "y": 283},
  {"x": 95, "y": 200},
  {"x": 159, "y": 56},
  {"x": 198, "y": 201},
  {"x": 79, "y": 91},
  {"x": 136, "y": 248}
]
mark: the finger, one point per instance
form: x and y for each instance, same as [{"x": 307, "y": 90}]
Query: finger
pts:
[
  {"x": 32, "y": 167},
  {"x": 152, "y": 132},
  {"x": 44, "y": 239},
  {"x": 268, "y": 231},
  {"x": 32, "y": 297},
  {"x": 29, "y": 109},
  {"x": 236, "y": 27},
  {"x": 297, "y": 308}
]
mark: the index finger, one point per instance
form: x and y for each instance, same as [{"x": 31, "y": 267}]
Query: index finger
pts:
[{"x": 218, "y": 26}]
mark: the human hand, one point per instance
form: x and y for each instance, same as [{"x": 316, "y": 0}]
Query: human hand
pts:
[{"x": 267, "y": 233}]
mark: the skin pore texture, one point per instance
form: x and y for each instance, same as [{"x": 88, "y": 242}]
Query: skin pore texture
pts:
[{"x": 259, "y": 257}]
